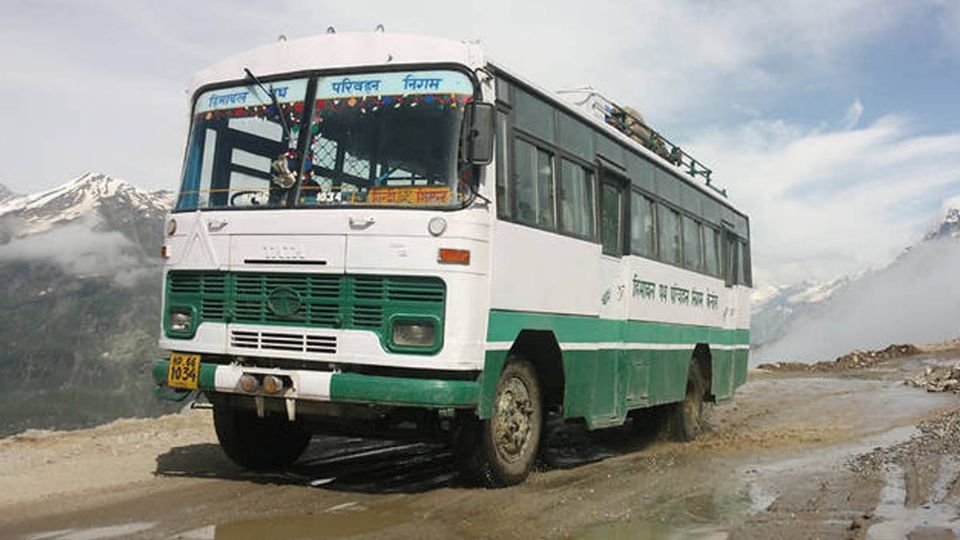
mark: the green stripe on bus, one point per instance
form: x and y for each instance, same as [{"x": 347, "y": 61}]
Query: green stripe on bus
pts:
[{"x": 504, "y": 325}]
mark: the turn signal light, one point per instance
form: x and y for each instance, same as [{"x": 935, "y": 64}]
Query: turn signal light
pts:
[
  {"x": 164, "y": 252},
  {"x": 454, "y": 256}
]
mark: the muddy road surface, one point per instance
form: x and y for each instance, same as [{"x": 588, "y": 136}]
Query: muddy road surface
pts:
[{"x": 811, "y": 455}]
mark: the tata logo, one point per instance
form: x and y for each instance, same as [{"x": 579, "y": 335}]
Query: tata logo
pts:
[{"x": 283, "y": 302}]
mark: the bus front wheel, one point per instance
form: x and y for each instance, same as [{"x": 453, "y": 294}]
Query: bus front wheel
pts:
[
  {"x": 259, "y": 444},
  {"x": 501, "y": 450}
]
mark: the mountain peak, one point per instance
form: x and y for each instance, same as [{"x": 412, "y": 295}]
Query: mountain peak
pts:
[
  {"x": 85, "y": 196},
  {"x": 6, "y": 194},
  {"x": 949, "y": 226}
]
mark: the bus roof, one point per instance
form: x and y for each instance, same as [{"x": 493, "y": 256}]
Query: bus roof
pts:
[
  {"x": 613, "y": 132},
  {"x": 340, "y": 51}
]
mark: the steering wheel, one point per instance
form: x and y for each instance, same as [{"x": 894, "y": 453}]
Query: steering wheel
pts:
[{"x": 253, "y": 202}]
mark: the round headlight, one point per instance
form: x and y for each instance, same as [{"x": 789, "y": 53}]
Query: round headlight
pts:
[
  {"x": 437, "y": 225},
  {"x": 171, "y": 227}
]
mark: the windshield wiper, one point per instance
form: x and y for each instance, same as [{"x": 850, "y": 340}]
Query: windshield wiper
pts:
[
  {"x": 282, "y": 175},
  {"x": 273, "y": 100}
]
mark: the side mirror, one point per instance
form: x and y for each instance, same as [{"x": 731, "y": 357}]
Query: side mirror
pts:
[{"x": 478, "y": 133}]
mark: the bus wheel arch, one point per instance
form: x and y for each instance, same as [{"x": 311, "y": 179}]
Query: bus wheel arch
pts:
[
  {"x": 703, "y": 359},
  {"x": 541, "y": 348}
]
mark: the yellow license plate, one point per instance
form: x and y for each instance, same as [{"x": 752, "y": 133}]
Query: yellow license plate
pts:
[{"x": 184, "y": 371}]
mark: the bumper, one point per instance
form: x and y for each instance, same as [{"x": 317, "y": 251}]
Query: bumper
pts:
[{"x": 339, "y": 387}]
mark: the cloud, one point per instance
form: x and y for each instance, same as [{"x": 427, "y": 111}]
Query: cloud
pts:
[
  {"x": 81, "y": 251},
  {"x": 824, "y": 202},
  {"x": 852, "y": 117},
  {"x": 101, "y": 84},
  {"x": 913, "y": 301}
]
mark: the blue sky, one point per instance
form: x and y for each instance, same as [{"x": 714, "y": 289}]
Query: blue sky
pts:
[{"x": 834, "y": 124}]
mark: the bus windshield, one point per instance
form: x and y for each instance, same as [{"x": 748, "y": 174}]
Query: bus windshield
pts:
[{"x": 374, "y": 139}]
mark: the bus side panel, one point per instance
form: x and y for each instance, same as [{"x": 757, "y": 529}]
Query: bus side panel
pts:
[
  {"x": 740, "y": 362},
  {"x": 635, "y": 370},
  {"x": 721, "y": 385},
  {"x": 582, "y": 374},
  {"x": 668, "y": 375},
  {"x": 492, "y": 366}
]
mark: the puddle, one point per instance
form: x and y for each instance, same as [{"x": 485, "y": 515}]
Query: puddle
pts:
[
  {"x": 342, "y": 520},
  {"x": 95, "y": 533},
  {"x": 650, "y": 530},
  {"x": 899, "y": 521}
]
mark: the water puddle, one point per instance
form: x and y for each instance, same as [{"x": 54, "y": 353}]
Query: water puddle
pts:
[
  {"x": 650, "y": 530},
  {"x": 897, "y": 520},
  {"x": 339, "y": 521},
  {"x": 95, "y": 533}
]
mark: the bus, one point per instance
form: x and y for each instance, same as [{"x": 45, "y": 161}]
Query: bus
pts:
[{"x": 396, "y": 235}]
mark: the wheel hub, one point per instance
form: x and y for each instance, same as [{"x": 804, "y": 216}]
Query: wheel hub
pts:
[{"x": 514, "y": 416}]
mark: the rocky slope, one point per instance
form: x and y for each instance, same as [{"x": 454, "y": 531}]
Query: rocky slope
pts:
[{"x": 80, "y": 303}]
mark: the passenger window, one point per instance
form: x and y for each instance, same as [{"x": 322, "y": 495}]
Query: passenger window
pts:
[
  {"x": 610, "y": 220},
  {"x": 643, "y": 240},
  {"x": 669, "y": 229},
  {"x": 711, "y": 253},
  {"x": 576, "y": 199},
  {"x": 535, "y": 116},
  {"x": 743, "y": 264},
  {"x": 503, "y": 165},
  {"x": 729, "y": 258},
  {"x": 576, "y": 137},
  {"x": 533, "y": 185},
  {"x": 692, "y": 252}
]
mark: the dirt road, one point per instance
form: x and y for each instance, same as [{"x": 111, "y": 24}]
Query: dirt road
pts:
[{"x": 807, "y": 455}]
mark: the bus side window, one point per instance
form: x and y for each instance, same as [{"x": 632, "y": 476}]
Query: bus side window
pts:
[
  {"x": 669, "y": 229},
  {"x": 643, "y": 238},
  {"x": 730, "y": 258},
  {"x": 743, "y": 264},
  {"x": 503, "y": 166},
  {"x": 576, "y": 199},
  {"x": 533, "y": 185},
  {"x": 611, "y": 219},
  {"x": 711, "y": 252},
  {"x": 692, "y": 248}
]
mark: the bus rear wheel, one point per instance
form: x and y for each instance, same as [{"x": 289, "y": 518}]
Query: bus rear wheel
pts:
[
  {"x": 687, "y": 418},
  {"x": 259, "y": 444},
  {"x": 501, "y": 450}
]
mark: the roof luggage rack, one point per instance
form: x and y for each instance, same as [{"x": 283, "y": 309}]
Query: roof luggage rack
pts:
[{"x": 630, "y": 122}]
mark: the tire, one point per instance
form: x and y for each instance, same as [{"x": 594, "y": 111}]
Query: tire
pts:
[
  {"x": 259, "y": 444},
  {"x": 501, "y": 450},
  {"x": 687, "y": 416}
]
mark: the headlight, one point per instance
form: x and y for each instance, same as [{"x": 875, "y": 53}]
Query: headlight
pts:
[
  {"x": 181, "y": 320},
  {"x": 414, "y": 333}
]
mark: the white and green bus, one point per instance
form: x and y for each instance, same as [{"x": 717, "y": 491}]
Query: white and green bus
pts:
[{"x": 384, "y": 234}]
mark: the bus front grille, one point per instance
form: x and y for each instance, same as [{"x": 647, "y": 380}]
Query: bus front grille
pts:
[{"x": 306, "y": 300}]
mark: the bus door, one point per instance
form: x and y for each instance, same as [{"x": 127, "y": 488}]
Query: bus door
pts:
[
  {"x": 608, "y": 387},
  {"x": 723, "y": 362}
]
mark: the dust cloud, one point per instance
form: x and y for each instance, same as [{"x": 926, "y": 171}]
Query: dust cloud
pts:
[{"x": 914, "y": 300}]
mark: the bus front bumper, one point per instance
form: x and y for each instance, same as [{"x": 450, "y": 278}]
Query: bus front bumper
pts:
[{"x": 312, "y": 385}]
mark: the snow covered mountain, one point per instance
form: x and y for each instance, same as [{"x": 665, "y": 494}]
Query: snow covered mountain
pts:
[
  {"x": 914, "y": 299},
  {"x": 6, "y": 194},
  {"x": 95, "y": 198}
]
